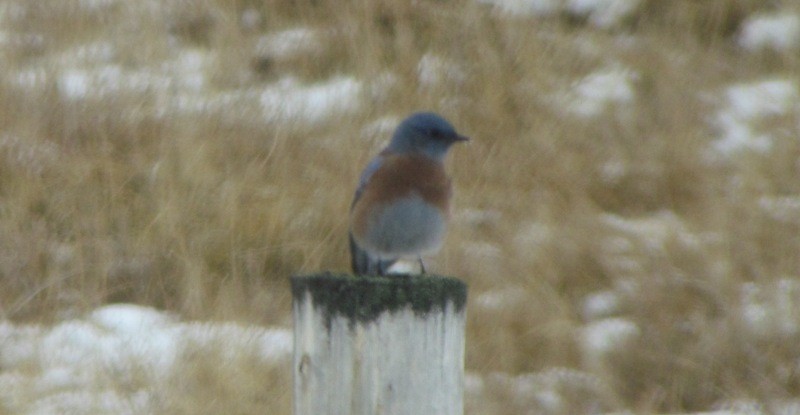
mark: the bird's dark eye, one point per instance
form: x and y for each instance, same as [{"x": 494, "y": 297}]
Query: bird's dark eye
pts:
[{"x": 436, "y": 134}]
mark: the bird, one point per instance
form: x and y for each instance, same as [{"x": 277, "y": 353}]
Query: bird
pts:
[{"x": 402, "y": 201}]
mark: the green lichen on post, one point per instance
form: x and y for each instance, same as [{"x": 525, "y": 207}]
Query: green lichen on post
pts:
[{"x": 363, "y": 299}]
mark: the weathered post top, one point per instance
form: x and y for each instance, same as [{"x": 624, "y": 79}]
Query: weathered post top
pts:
[
  {"x": 391, "y": 345},
  {"x": 363, "y": 298}
]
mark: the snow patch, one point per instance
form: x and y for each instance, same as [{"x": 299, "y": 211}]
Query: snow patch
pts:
[
  {"x": 432, "y": 70},
  {"x": 653, "y": 231},
  {"x": 129, "y": 318},
  {"x": 555, "y": 390},
  {"x": 28, "y": 154},
  {"x": 66, "y": 368},
  {"x": 96, "y": 5},
  {"x": 379, "y": 131},
  {"x": 251, "y": 19},
  {"x": 782, "y": 208},
  {"x": 477, "y": 218},
  {"x": 188, "y": 70},
  {"x": 771, "y": 310},
  {"x": 103, "y": 81},
  {"x": 602, "y": 338},
  {"x": 533, "y": 241},
  {"x": 16, "y": 344},
  {"x": 501, "y": 299},
  {"x": 182, "y": 75},
  {"x": 268, "y": 344},
  {"x": 752, "y": 407},
  {"x": 631, "y": 243},
  {"x": 28, "y": 79},
  {"x": 747, "y": 104},
  {"x": 536, "y": 8},
  {"x": 761, "y": 99},
  {"x": 93, "y": 53},
  {"x": 74, "y": 84},
  {"x": 29, "y": 41},
  {"x": 592, "y": 95},
  {"x": 90, "y": 402},
  {"x": 778, "y": 32},
  {"x": 603, "y": 14},
  {"x": 10, "y": 11},
  {"x": 289, "y": 43},
  {"x": 290, "y": 100},
  {"x": 600, "y": 304}
]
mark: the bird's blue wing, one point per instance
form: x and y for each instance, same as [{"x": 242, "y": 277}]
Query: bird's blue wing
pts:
[
  {"x": 360, "y": 260},
  {"x": 371, "y": 168}
]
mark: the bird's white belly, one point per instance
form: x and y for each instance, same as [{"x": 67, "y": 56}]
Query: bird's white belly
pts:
[{"x": 405, "y": 227}]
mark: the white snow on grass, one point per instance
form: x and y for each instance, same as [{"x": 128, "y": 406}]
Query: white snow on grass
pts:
[
  {"x": 289, "y": 43},
  {"x": 536, "y": 8},
  {"x": 601, "y": 304},
  {"x": 291, "y": 100},
  {"x": 106, "y": 81},
  {"x": 603, "y": 14},
  {"x": 632, "y": 242},
  {"x": 268, "y": 344},
  {"x": 501, "y": 298},
  {"x": 180, "y": 86},
  {"x": 432, "y": 70},
  {"x": 251, "y": 19},
  {"x": 744, "y": 106},
  {"x": 93, "y": 53},
  {"x": 777, "y": 32},
  {"x": 76, "y": 84},
  {"x": 782, "y": 208},
  {"x": 763, "y": 98},
  {"x": 652, "y": 231},
  {"x": 592, "y": 95},
  {"x": 28, "y": 154},
  {"x": 380, "y": 130},
  {"x": 183, "y": 74},
  {"x": 27, "y": 79},
  {"x": 187, "y": 69},
  {"x": 31, "y": 41},
  {"x": 532, "y": 236},
  {"x": 129, "y": 318},
  {"x": 771, "y": 311},
  {"x": 96, "y": 5},
  {"x": 754, "y": 407},
  {"x": 116, "y": 359},
  {"x": 600, "y": 339},
  {"x": 90, "y": 403},
  {"x": 10, "y": 11},
  {"x": 552, "y": 391}
]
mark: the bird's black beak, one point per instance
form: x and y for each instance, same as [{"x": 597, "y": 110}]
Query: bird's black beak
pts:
[{"x": 460, "y": 137}]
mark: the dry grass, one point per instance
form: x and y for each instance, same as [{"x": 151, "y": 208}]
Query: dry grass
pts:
[{"x": 206, "y": 213}]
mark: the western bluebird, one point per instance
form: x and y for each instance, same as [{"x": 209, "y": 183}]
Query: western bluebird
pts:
[{"x": 401, "y": 205}]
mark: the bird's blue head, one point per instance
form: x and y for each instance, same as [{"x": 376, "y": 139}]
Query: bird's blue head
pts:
[{"x": 426, "y": 133}]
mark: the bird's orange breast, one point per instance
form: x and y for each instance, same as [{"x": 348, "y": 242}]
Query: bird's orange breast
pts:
[{"x": 402, "y": 176}]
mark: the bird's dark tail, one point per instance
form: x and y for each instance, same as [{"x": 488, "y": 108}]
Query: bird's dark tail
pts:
[{"x": 363, "y": 264}]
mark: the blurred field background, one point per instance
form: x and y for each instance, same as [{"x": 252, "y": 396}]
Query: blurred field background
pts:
[{"x": 628, "y": 223}]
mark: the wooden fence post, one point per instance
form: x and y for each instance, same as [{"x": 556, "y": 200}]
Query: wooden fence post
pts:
[{"x": 378, "y": 345}]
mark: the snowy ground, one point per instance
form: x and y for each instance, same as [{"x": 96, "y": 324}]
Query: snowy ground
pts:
[{"x": 118, "y": 359}]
